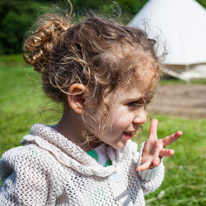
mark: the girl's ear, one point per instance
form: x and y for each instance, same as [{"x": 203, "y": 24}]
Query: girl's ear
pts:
[{"x": 76, "y": 97}]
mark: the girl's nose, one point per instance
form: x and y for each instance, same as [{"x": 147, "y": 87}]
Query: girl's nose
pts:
[{"x": 140, "y": 117}]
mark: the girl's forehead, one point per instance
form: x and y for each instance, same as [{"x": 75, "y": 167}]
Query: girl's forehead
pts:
[
  {"x": 141, "y": 82},
  {"x": 136, "y": 90}
]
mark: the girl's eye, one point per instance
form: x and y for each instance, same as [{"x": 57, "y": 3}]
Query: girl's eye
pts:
[
  {"x": 136, "y": 104},
  {"x": 139, "y": 103}
]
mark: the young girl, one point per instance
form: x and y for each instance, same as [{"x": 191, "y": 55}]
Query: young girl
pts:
[{"x": 105, "y": 74}]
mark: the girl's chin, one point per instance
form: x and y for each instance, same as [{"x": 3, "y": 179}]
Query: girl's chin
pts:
[{"x": 119, "y": 145}]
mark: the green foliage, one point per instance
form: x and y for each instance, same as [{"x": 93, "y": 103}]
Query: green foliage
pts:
[
  {"x": 18, "y": 16},
  {"x": 84, "y": 6},
  {"x": 108, "y": 6},
  {"x": 132, "y": 6},
  {"x": 16, "y": 19},
  {"x": 202, "y": 2}
]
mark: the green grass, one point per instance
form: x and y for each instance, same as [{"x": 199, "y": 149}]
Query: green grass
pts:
[
  {"x": 185, "y": 182},
  {"x": 11, "y": 59},
  {"x": 23, "y": 104},
  {"x": 173, "y": 81}
]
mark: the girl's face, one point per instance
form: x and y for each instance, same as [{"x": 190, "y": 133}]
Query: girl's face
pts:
[{"x": 126, "y": 112}]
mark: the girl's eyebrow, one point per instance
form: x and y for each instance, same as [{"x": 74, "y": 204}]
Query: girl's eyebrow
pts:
[
  {"x": 141, "y": 97},
  {"x": 134, "y": 98}
]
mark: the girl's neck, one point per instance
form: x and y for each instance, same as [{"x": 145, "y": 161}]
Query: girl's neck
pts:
[{"x": 71, "y": 126}]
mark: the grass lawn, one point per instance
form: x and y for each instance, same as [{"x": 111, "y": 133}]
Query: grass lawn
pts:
[
  {"x": 23, "y": 104},
  {"x": 185, "y": 182}
]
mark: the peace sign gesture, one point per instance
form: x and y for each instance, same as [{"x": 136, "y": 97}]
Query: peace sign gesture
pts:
[{"x": 154, "y": 148}]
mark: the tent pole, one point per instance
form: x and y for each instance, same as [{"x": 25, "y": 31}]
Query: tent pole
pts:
[{"x": 187, "y": 70}]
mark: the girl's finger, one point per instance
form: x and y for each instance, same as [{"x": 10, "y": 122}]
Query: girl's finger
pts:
[
  {"x": 153, "y": 129},
  {"x": 166, "y": 152},
  {"x": 144, "y": 166},
  {"x": 170, "y": 139},
  {"x": 156, "y": 162}
]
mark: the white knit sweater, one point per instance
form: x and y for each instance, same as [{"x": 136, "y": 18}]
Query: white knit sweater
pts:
[{"x": 51, "y": 170}]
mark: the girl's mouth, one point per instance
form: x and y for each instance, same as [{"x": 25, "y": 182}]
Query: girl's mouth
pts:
[{"x": 127, "y": 135}]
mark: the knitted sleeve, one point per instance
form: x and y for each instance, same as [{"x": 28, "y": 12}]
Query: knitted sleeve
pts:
[{"x": 25, "y": 181}]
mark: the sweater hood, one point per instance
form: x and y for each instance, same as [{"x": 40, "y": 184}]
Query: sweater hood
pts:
[{"x": 69, "y": 154}]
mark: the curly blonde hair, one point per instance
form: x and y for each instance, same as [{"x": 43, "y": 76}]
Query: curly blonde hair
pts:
[{"x": 98, "y": 53}]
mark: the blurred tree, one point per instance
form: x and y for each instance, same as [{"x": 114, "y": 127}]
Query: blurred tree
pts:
[
  {"x": 16, "y": 18},
  {"x": 202, "y": 2},
  {"x": 132, "y": 6}
]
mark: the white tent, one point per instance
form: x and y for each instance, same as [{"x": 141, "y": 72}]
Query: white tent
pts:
[{"x": 181, "y": 24}]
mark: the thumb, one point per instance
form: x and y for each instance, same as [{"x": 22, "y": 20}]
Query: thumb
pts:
[{"x": 144, "y": 166}]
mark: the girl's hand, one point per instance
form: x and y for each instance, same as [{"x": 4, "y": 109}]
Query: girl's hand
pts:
[{"x": 154, "y": 148}]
